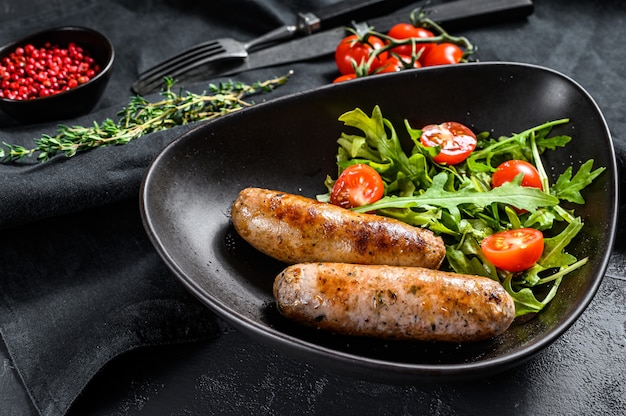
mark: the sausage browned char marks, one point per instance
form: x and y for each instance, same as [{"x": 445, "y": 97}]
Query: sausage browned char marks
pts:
[
  {"x": 393, "y": 302},
  {"x": 295, "y": 229}
]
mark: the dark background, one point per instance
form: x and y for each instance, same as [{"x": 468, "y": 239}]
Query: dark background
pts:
[{"x": 85, "y": 300}]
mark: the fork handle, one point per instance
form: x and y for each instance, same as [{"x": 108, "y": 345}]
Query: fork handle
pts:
[{"x": 343, "y": 12}]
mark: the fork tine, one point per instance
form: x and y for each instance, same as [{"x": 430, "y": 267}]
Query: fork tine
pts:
[
  {"x": 188, "y": 60},
  {"x": 199, "y": 50},
  {"x": 177, "y": 67},
  {"x": 173, "y": 71}
]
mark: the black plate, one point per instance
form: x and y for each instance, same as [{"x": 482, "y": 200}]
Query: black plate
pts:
[{"x": 289, "y": 144}]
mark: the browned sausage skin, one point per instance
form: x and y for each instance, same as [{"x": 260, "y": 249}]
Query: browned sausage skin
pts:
[
  {"x": 295, "y": 229},
  {"x": 393, "y": 302}
]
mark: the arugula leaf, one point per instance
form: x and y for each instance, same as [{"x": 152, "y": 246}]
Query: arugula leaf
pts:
[
  {"x": 509, "y": 193},
  {"x": 525, "y": 300},
  {"x": 462, "y": 263},
  {"x": 541, "y": 219},
  {"x": 554, "y": 254},
  {"x": 418, "y": 218},
  {"x": 467, "y": 258},
  {"x": 375, "y": 145},
  {"x": 568, "y": 188},
  {"x": 459, "y": 204},
  {"x": 551, "y": 143},
  {"x": 515, "y": 147}
]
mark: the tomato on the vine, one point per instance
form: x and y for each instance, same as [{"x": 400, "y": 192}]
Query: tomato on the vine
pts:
[
  {"x": 397, "y": 63},
  {"x": 508, "y": 170},
  {"x": 403, "y": 31},
  {"x": 353, "y": 51},
  {"x": 514, "y": 250},
  {"x": 443, "y": 54},
  {"x": 357, "y": 185},
  {"x": 456, "y": 141}
]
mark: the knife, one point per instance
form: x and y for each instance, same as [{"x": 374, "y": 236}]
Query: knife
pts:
[
  {"x": 339, "y": 13},
  {"x": 457, "y": 14}
]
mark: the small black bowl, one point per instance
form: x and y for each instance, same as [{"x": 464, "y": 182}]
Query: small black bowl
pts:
[{"x": 76, "y": 101}]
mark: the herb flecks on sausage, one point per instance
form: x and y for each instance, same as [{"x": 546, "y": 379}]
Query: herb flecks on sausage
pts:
[{"x": 394, "y": 302}]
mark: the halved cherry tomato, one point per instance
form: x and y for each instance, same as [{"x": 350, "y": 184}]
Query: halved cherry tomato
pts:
[
  {"x": 353, "y": 51},
  {"x": 456, "y": 140},
  {"x": 357, "y": 185},
  {"x": 397, "y": 63},
  {"x": 443, "y": 54},
  {"x": 513, "y": 250},
  {"x": 403, "y": 31},
  {"x": 508, "y": 170},
  {"x": 344, "y": 77}
]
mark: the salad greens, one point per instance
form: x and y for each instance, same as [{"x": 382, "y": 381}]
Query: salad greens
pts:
[{"x": 459, "y": 204}]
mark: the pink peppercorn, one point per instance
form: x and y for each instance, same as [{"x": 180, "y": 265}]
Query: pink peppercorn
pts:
[{"x": 30, "y": 72}]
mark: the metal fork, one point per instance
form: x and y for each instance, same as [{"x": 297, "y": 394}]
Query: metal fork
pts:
[
  {"x": 338, "y": 13},
  {"x": 208, "y": 52}
]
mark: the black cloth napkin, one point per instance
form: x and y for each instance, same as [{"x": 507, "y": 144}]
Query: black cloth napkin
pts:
[{"x": 79, "y": 281}]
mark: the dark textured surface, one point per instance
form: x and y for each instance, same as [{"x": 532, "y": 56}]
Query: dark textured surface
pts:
[{"x": 57, "y": 219}]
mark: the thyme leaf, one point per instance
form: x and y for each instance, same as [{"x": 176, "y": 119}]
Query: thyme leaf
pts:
[{"x": 141, "y": 117}]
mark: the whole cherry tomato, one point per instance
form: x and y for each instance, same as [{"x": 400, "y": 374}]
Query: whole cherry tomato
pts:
[
  {"x": 357, "y": 185},
  {"x": 508, "y": 170},
  {"x": 353, "y": 51},
  {"x": 403, "y": 31},
  {"x": 443, "y": 54},
  {"x": 514, "y": 250},
  {"x": 455, "y": 140},
  {"x": 397, "y": 63}
]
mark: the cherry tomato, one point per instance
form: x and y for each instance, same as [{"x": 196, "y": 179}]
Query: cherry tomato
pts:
[
  {"x": 513, "y": 250},
  {"x": 357, "y": 185},
  {"x": 443, "y": 54},
  {"x": 457, "y": 141},
  {"x": 352, "y": 51},
  {"x": 344, "y": 77},
  {"x": 508, "y": 170},
  {"x": 397, "y": 63},
  {"x": 403, "y": 31}
]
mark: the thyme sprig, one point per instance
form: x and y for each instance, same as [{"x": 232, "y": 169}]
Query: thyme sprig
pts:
[{"x": 142, "y": 117}]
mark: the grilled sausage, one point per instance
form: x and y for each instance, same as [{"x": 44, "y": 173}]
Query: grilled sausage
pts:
[
  {"x": 295, "y": 229},
  {"x": 393, "y": 302}
]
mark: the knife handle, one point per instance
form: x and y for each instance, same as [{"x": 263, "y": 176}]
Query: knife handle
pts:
[
  {"x": 343, "y": 12},
  {"x": 460, "y": 14}
]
